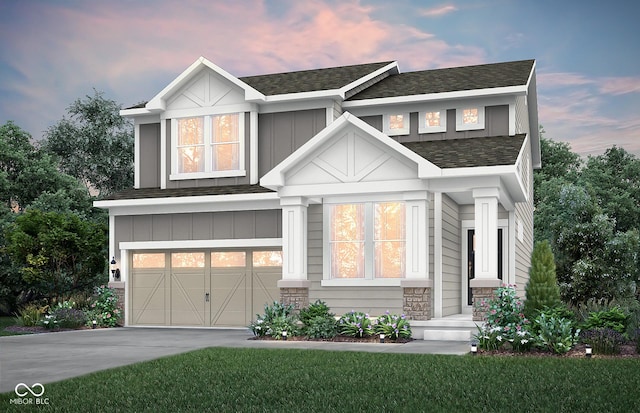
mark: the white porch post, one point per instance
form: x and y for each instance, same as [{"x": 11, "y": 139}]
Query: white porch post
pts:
[
  {"x": 486, "y": 246},
  {"x": 294, "y": 285},
  {"x": 417, "y": 286}
]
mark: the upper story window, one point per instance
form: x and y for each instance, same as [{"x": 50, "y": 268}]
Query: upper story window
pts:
[
  {"x": 433, "y": 121},
  {"x": 395, "y": 124},
  {"x": 470, "y": 118},
  {"x": 208, "y": 146},
  {"x": 366, "y": 240}
]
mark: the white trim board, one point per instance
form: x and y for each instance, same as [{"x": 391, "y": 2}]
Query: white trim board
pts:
[{"x": 195, "y": 244}]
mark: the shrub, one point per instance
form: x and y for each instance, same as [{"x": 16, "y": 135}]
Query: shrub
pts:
[
  {"x": 68, "y": 317},
  {"x": 542, "y": 289},
  {"x": 392, "y": 326},
  {"x": 555, "y": 334},
  {"x": 559, "y": 311},
  {"x": 613, "y": 318},
  {"x": 505, "y": 322},
  {"x": 317, "y": 309},
  {"x": 106, "y": 306},
  {"x": 603, "y": 340},
  {"x": 355, "y": 324},
  {"x": 277, "y": 318},
  {"x": 321, "y": 327},
  {"x": 31, "y": 315}
]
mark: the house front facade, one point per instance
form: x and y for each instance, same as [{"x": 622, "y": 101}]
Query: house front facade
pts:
[{"x": 362, "y": 186}]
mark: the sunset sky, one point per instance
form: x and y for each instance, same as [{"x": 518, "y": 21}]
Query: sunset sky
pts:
[{"x": 587, "y": 52}]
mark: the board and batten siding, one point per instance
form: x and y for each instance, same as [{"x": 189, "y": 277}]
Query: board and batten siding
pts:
[
  {"x": 372, "y": 300},
  {"x": 451, "y": 250},
  {"x": 524, "y": 218},
  {"x": 199, "y": 226},
  {"x": 496, "y": 121},
  {"x": 149, "y": 150},
  {"x": 282, "y": 133},
  {"x": 194, "y": 183}
]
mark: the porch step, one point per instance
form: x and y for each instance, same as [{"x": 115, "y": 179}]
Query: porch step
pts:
[{"x": 454, "y": 328}]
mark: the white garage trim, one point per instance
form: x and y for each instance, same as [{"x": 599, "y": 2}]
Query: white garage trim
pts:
[{"x": 214, "y": 243}]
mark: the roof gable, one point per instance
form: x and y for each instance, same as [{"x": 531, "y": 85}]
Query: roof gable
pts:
[{"x": 349, "y": 151}]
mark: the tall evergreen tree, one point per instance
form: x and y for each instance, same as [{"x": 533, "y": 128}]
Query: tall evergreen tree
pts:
[{"x": 542, "y": 289}]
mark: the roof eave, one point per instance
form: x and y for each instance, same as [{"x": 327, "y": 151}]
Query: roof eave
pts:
[{"x": 498, "y": 91}]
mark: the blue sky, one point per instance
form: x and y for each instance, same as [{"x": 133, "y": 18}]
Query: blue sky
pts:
[{"x": 588, "y": 59}]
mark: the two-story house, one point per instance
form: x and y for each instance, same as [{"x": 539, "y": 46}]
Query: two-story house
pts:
[{"x": 362, "y": 186}]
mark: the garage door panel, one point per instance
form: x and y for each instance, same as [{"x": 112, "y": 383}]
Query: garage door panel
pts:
[
  {"x": 188, "y": 298},
  {"x": 148, "y": 304},
  {"x": 229, "y": 298},
  {"x": 265, "y": 288}
]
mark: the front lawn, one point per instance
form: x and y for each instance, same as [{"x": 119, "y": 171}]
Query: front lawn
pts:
[{"x": 228, "y": 380}]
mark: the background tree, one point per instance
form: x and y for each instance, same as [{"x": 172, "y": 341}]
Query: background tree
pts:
[
  {"x": 58, "y": 254},
  {"x": 542, "y": 289},
  {"x": 94, "y": 144}
]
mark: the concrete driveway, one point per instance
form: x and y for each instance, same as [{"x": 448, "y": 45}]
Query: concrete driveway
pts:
[{"x": 49, "y": 357}]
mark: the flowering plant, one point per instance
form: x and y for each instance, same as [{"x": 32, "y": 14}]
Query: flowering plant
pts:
[
  {"x": 105, "y": 306},
  {"x": 355, "y": 324},
  {"x": 505, "y": 322},
  {"x": 393, "y": 326}
]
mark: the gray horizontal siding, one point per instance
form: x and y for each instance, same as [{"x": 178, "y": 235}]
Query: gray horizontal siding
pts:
[{"x": 451, "y": 275}]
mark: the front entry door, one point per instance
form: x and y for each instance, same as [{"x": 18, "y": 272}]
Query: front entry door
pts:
[{"x": 471, "y": 246}]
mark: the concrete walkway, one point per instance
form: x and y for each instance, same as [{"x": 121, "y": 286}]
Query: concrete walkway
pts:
[{"x": 49, "y": 357}]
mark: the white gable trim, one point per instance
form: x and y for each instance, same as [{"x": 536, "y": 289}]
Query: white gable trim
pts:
[
  {"x": 158, "y": 102},
  {"x": 274, "y": 179}
]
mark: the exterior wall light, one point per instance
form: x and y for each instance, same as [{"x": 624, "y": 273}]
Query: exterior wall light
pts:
[{"x": 115, "y": 271}]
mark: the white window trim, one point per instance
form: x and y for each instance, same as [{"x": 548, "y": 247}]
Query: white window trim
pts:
[
  {"x": 175, "y": 175},
  {"x": 460, "y": 126},
  {"x": 396, "y": 132},
  {"x": 369, "y": 264},
  {"x": 422, "y": 122}
]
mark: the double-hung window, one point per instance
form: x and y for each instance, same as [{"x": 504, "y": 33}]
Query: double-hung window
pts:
[
  {"x": 366, "y": 240},
  {"x": 208, "y": 146}
]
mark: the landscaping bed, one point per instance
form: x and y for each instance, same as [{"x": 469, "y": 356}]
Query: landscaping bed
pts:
[{"x": 338, "y": 339}]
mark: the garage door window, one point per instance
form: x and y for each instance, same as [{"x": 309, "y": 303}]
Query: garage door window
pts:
[
  {"x": 148, "y": 260},
  {"x": 267, "y": 258},
  {"x": 228, "y": 259},
  {"x": 187, "y": 260}
]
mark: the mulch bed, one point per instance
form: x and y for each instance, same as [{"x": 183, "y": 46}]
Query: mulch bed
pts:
[
  {"x": 39, "y": 329},
  {"x": 338, "y": 339},
  {"x": 578, "y": 351}
]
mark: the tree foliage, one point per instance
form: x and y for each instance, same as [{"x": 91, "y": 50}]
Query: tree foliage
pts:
[
  {"x": 58, "y": 253},
  {"x": 590, "y": 214},
  {"x": 94, "y": 144},
  {"x": 542, "y": 289}
]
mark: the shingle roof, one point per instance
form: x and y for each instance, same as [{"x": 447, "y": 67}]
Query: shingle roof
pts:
[
  {"x": 310, "y": 80},
  {"x": 180, "y": 192},
  {"x": 450, "y": 80},
  {"x": 470, "y": 152}
]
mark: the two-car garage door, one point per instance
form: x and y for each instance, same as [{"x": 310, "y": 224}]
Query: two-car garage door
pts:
[{"x": 202, "y": 288}]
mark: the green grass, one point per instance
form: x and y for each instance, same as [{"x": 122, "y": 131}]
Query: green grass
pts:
[{"x": 259, "y": 380}]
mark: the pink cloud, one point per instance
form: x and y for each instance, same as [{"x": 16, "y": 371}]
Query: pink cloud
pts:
[
  {"x": 438, "y": 11},
  {"x": 620, "y": 85}
]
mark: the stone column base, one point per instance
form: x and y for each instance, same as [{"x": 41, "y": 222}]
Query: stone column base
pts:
[
  {"x": 118, "y": 286},
  {"x": 294, "y": 292},
  {"x": 482, "y": 290},
  {"x": 416, "y": 299}
]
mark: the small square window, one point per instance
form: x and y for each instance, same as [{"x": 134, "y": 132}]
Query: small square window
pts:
[
  {"x": 395, "y": 124},
  {"x": 433, "y": 121},
  {"x": 470, "y": 118}
]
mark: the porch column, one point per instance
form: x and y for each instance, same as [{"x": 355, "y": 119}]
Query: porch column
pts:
[
  {"x": 486, "y": 248},
  {"x": 294, "y": 285},
  {"x": 417, "y": 287}
]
